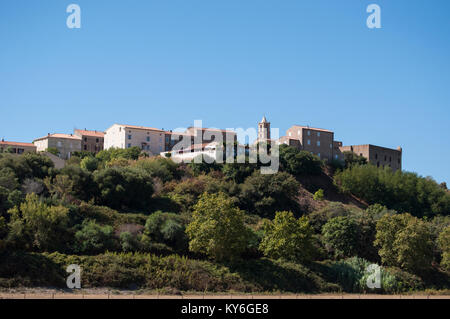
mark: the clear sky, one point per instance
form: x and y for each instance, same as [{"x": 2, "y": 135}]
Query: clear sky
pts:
[{"x": 167, "y": 63}]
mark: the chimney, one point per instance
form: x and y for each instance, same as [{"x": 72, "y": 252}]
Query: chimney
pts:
[
  {"x": 48, "y": 134},
  {"x": 399, "y": 148},
  {"x": 3, "y": 139}
]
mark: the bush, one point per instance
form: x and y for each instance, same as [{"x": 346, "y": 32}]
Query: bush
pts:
[
  {"x": 319, "y": 195},
  {"x": 166, "y": 228},
  {"x": 94, "y": 238},
  {"x": 217, "y": 228},
  {"x": 288, "y": 238},
  {"x": 162, "y": 168},
  {"x": 89, "y": 163}
]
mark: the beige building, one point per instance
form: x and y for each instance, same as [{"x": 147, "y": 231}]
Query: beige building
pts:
[
  {"x": 16, "y": 147},
  {"x": 377, "y": 155},
  {"x": 66, "y": 144},
  {"x": 264, "y": 130},
  {"x": 148, "y": 139},
  {"x": 91, "y": 141}
]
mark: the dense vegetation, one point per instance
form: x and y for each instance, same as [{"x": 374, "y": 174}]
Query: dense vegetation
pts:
[{"x": 136, "y": 222}]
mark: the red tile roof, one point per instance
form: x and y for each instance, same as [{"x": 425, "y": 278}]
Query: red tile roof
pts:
[
  {"x": 141, "y": 127},
  {"x": 16, "y": 144},
  {"x": 59, "y": 135},
  {"x": 90, "y": 133}
]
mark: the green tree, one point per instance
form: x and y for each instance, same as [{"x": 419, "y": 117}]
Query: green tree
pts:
[
  {"x": 124, "y": 188},
  {"x": 35, "y": 225},
  {"x": 53, "y": 150},
  {"x": 288, "y": 238},
  {"x": 404, "y": 241},
  {"x": 444, "y": 245},
  {"x": 298, "y": 162},
  {"x": 93, "y": 238},
  {"x": 89, "y": 163},
  {"x": 352, "y": 158},
  {"x": 340, "y": 236},
  {"x": 217, "y": 228},
  {"x": 264, "y": 194}
]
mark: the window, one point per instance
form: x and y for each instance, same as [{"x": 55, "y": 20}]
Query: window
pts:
[
  {"x": 318, "y": 134},
  {"x": 385, "y": 158},
  {"x": 318, "y": 154},
  {"x": 318, "y": 143},
  {"x": 85, "y": 147},
  {"x": 160, "y": 148},
  {"x": 85, "y": 139},
  {"x": 376, "y": 157},
  {"x": 129, "y": 145},
  {"x": 129, "y": 136},
  {"x": 336, "y": 156},
  {"x": 148, "y": 147},
  {"x": 148, "y": 138},
  {"x": 96, "y": 140},
  {"x": 331, "y": 145},
  {"x": 309, "y": 133},
  {"x": 399, "y": 161},
  {"x": 59, "y": 144},
  {"x": 390, "y": 159},
  {"x": 309, "y": 142}
]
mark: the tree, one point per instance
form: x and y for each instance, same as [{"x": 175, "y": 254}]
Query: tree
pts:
[
  {"x": 405, "y": 241},
  {"x": 352, "y": 158},
  {"x": 94, "y": 238},
  {"x": 166, "y": 228},
  {"x": 298, "y": 162},
  {"x": 124, "y": 188},
  {"x": 288, "y": 238},
  {"x": 89, "y": 163},
  {"x": 444, "y": 245},
  {"x": 264, "y": 194},
  {"x": 217, "y": 228},
  {"x": 340, "y": 236},
  {"x": 401, "y": 191},
  {"x": 53, "y": 150},
  {"x": 35, "y": 225},
  {"x": 160, "y": 167}
]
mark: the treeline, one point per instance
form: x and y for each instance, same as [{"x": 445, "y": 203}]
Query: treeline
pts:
[{"x": 124, "y": 202}]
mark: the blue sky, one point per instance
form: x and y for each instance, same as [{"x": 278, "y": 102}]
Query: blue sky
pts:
[{"x": 166, "y": 63}]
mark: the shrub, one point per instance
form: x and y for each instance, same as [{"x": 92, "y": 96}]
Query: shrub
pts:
[
  {"x": 288, "y": 238},
  {"x": 94, "y": 238},
  {"x": 89, "y": 163},
  {"x": 319, "y": 195}
]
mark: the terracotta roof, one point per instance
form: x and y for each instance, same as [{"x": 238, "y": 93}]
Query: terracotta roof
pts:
[
  {"x": 16, "y": 144},
  {"x": 141, "y": 127},
  {"x": 59, "y": 135},
  {"x": 90, "y": 133},
  {"x": 313, "y": 128},
  {"x": 210, "y": 129}
]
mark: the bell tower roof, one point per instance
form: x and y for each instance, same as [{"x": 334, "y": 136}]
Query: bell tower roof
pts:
[{"x": 264, "y": 120}]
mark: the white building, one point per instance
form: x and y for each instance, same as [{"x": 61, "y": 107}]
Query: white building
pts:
[
  {"x": 212, "y": 150},
  {"x": 148, "y": 139}
]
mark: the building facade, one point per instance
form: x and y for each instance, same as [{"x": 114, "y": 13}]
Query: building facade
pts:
[
  {"x": 314, "y": 140},
  {"x": 377, "y": 155},
  {"x": 66, "y": 144},
  {"x": 91, "y": 141},
  {"x": 16, "y": 147},
  {"x": 148, "y": 139}
]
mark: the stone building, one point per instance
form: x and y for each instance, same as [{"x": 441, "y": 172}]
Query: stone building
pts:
[
  {"x": 91, "y": 141},
  {"x": 377, "y": 155},
  {"x": 66, "y": 144},
  {"x": 264, "y": 130},
  {"x": 16, "y": 147}
]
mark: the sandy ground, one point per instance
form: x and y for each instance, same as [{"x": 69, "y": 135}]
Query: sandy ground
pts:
[{"x": 49, "y": 293}]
